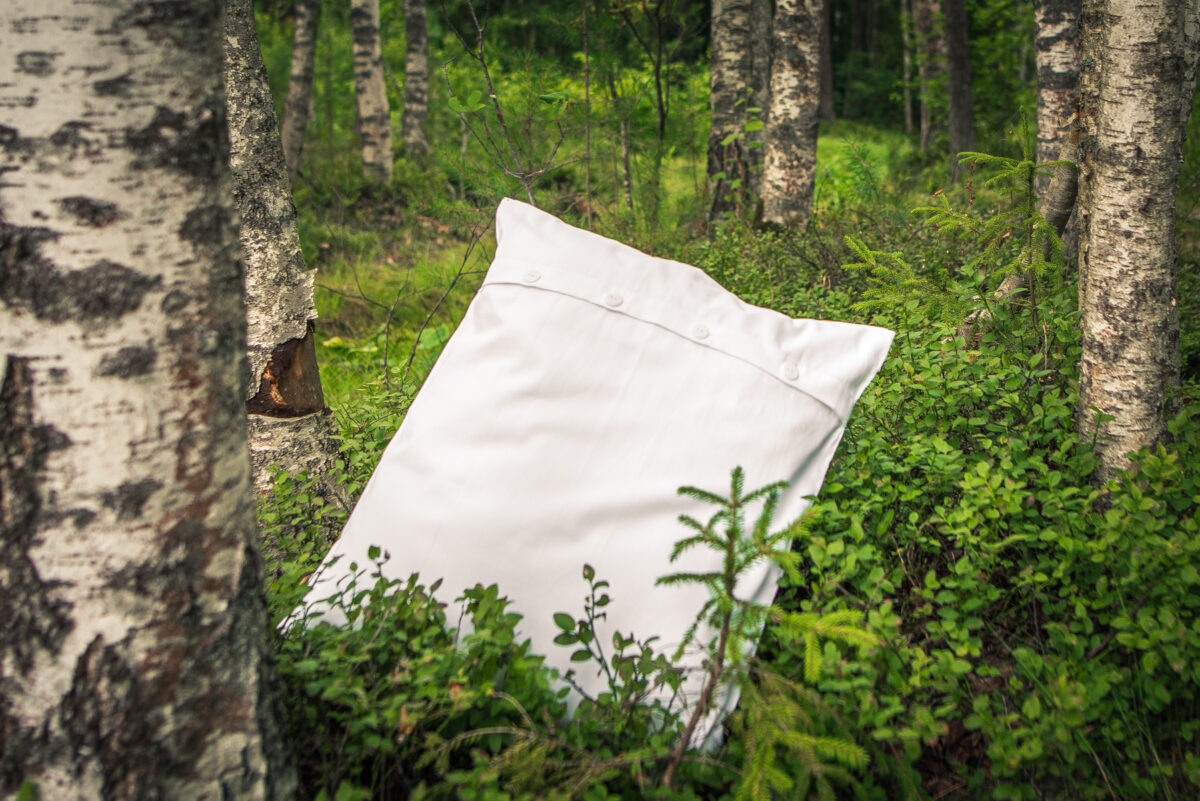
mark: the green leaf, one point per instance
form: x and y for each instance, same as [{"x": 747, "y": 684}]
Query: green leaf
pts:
[{"x": 564, "y": 621}]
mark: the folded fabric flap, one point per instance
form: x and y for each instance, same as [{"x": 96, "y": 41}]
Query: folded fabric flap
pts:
[{"x": 830, "y": 361}]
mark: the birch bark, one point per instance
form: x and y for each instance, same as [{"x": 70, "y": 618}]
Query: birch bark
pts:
[
  {"x": 1056, "y": 51},
  {"x": 374, "y": 121},
  {"x": 298, "y": 107},
  {"x": 1140, "y": 58},
  {"x": 759, "y": 78},
  {"x": 133, "y": 651},
  {"x": 290, "y": 427},
  {"x": 728, "y": 91},
  {"x": 416, "y": 78},
  {"x": 791, "y": 157}
]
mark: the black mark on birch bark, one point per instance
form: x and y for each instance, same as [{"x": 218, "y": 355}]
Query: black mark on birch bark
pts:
[
  {"x": 114, "y": 87},
  {"x": 31, "y": 618},
  {"x": 128, "y": 362},
  {"x": 195, "y": 143},
  {"x": 102, "y": 292},
  {"x": 205, "y": 226},
  {"x": 105, "y": 718},
  {"x": 128, "y": 499},
  {"x": 89, "y": 212},
  {"x": 184, "y": 22},
  {"x": 36, "y": 62}
]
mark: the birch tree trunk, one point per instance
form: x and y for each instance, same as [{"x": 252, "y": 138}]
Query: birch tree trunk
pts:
[
  {"x": 958, "y": 64},
  {"x": 289, "y": 424},
  {"x": 1142, "y": 58},
  {"x": 795, "y": 107},
  {"x": 298, "y": 108},
  {"x": 416, "y": 78},
  {"x": 728, "y": 91},
  {"x": 133, "y": 657},
  {"x": 374, "y": 121},
  {"x": 759, "y": 78},
  {"x": 1056, "y": 50}
]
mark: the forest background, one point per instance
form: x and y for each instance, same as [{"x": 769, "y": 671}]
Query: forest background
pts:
[
  {"x": 1040, "y": 634},
  {"x": 985, "y": 601}
]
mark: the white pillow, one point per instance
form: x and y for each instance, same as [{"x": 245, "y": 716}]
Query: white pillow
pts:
[{"x": 586, "y": 383}]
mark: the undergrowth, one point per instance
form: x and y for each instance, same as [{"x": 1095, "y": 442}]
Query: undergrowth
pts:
[{"x": 1037, "y": 635}]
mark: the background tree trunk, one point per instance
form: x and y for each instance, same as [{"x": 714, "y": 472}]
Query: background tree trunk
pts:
[
  {"x": 374, "y": 121},
  {"x": 929, "y": 62},
  {"x": 795, "y": 105},
  {"x": 958, "y": 66},
  {"x": 729, "y": 68},
  {"x": 134, "y": 659},
  {"x": 906, "y": 44},
  {"x": 827, "y": 108},
  {"x": 1056, "y": 50},
  {"x": 759, "y": 78},
  {"x": 289, "y": 424},
  {"x": 299, "y": 106},
  {"x": 416, "y": 78},
  {"x": 1136, "y": 108}
]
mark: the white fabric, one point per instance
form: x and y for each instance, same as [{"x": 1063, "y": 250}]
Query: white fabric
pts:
[{"x": 586, "y": 383}]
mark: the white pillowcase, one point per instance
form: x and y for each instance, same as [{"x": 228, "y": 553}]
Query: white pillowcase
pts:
[{"x": 586, "y": 383}]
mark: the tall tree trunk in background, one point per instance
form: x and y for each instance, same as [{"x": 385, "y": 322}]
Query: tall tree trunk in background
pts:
[
  {"x": 297, "y": 111},
  {"x": 1143, "y": 54},
  {"x": 906, "y": 44},
  {"x": 728, "y": 91},
  {"x": 1056, "y": 49},
  {"x": 626, "y": 181},
  {"x": 134, "y": 656},
  {"x": 827, "y": 108},
  {"x": 795, "y": 106},
  {"x": 759, "y": 78},
  {"x": 416, "y": 78},
  {"x": 289, "y": 424},
  {"x": 958, "y": 63},
  {"x": 929, "y": 61},
  {"x": 374, "y": 122}
]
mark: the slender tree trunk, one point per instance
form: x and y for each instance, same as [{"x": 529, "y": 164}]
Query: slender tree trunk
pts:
[
  {"x": 626, "y": 146},
  {"x": 134, "y": 658},
  {"x": 1139, "y": 59},
  {"x": 729, "y": 66},
  {"x": 929, "y": 62},
  {"x": 759, "y": 78},
  {"x": 1056, "y": 49},
  {"x": 298, "y": 108},
  {"x": 587, "y": 121},
  {"x": 374, "y": 122},
  {"x": 827, "y": 105},
  {"x": 795, "y": 105},
  {"x": 906, "y": 43},
  {"x": 289, "y": 425},
  {"x": 958, "y": 62},
  {"x": 416, "y": 78}
]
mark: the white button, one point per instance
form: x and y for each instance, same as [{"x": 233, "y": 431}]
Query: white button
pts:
[
  {"x": 791, "y": 372},
  {"x": 700, "y": 331},
  {"x": 613, "y": 299},
  {"x": 531, "y": 276}
]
